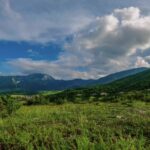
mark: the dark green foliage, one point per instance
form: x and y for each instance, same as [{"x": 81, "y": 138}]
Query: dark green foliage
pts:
[
  {"x": 2, "y": 108},
  {"x": 119, "y": 75},
  {"x": 87, "y": 95},
  {"x": 140, "y": 81},
  {"x": 93, "y": 95},
  {"x": 36, "y": 100},
  {"x": 8, "y": 105},
  {"x": 136, "y": 87}
]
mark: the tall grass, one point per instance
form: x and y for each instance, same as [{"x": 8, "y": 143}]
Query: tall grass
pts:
[{"x": 100, "y": 126}]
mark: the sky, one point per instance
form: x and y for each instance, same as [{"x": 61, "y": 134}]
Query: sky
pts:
[{"x": 71, "y": 39}]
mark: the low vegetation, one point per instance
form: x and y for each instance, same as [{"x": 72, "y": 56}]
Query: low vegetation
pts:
[
  {"x": 8, "y": 106},
  {"x": 107, "y": 117},
  {"x": 100, "y": 126}
]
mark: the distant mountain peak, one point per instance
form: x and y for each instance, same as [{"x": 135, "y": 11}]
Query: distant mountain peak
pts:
[
  {"x": 40, "y": 76},
  {"x": 39, "y": 82}
]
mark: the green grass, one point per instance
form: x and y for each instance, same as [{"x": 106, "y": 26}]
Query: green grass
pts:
[
  {"x": 90, "y": 126},
  {"x": 46, "y": 93}
]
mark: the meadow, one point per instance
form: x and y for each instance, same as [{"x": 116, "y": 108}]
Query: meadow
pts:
[{"x": 84, "y": 126}]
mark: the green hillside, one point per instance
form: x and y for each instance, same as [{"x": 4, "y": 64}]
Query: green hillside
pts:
[
  {"x": 140, "y": 81},
  {"x": 135, "y": 86}
]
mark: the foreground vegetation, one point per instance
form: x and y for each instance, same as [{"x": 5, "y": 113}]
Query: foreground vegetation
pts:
[
  {"x": 109, "y": 117},
  {"x": 96, "y": 125}
]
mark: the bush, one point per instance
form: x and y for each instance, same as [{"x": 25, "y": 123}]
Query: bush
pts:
[
  {"x": 37, "y": 101},
  {"x": 2, "y": 108},
  {"x": 8, "y": 106},
  {"x": 61, "y": 101}
]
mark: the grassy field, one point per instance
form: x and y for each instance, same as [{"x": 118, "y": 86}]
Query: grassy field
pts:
[
  {"x": 45, "y": 93},
  {"x": 90, "y": 126}
]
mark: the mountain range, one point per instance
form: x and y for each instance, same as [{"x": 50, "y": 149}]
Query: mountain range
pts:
[
  {"x": 137, "y": 82},
  {"x": 41, "y": 82}
]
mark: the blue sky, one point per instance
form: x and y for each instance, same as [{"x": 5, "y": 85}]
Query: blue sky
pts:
[
  {"x": 73, "y": 39},
  {"x": 12, "y": 50}
]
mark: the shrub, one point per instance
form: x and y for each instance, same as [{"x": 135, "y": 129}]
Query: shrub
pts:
[
  {"x": 37, "y": 101},
  {"x": 60, "y": 101},
  {"x": 8, "y": 105}
]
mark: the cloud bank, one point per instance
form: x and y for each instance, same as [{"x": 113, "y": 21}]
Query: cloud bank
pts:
[
  {"x": 106, "y": 44},
  {"x": 46, "y": 20},
  {"x": 39, "y": 21}
]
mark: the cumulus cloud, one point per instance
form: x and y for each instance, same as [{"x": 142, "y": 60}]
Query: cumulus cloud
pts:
[
  {"x": 46, "y": 20},
  {"x": 38, "y": 21},
  {"x": 27, "y": 66},
  {"x": 111, "y": 42},
  {"x": 142, "y": 62},
  {"x": 107, "y": 44},
  {"x": 131, "y": 13}
]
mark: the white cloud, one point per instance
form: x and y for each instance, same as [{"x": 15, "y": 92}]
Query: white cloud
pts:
[
  {"x": 131, "y": 13},
  {"x": 111, "y": 41},
  {"x": 47, "y": 20},
  {"x": 26, "y": 66},
  {"x": 106, "y": 45},
  {"x": 29, "y": 21},
  {"x": 141, "y": 62}
]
